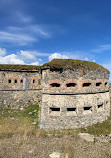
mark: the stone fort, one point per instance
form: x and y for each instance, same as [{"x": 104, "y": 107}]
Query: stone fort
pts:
[{"x": 73, "y": 93}]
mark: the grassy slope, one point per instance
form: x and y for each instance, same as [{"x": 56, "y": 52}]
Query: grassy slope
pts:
[{"x": 16, "y": 121}]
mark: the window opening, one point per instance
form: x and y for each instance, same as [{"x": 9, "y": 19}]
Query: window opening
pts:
[
  {"x": 86, "y": 84},
  {"x": 71, "y": 84},
  {"x": 98, "y": 84},
  {"x": 105, "y": 83},
  {"x": 107, "y": 102},
  {"x": 33, "y": 80},
  {"x": 15, "y": 81},
  {"x": 54, "y": 109},
  {"x": 71, "y": 109},
  {"x": 21, "y": 81},
  {"x": 55, "y": 85},
  {"x": 100, "y": 105},
  {"x": 87, "y": 108},
  {"x": 9, "y": 81}
]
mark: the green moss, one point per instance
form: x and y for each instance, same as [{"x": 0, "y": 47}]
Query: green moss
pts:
[
  {"x": 73, "y": 64},
  {"x": 19, "y": 67}
]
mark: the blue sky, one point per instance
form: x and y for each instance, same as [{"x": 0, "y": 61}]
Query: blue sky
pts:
[{"x": 36, "y": 31}]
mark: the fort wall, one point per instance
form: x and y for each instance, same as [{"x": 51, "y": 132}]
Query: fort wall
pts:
[
  {"x": 74, "y": 98},
  {"x": 19, "y": 88},
  {"x": 73, "y": 93}
]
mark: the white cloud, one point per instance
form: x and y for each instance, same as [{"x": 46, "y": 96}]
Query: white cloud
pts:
[
  {"x": 35, "y": 63},
  {"x": 57, "y": 56},
  {"x": 21, "y": 58},
  {"x": 18, "y": 38},
  {"x": 11, "y": 59},
  {"x": 23, "y": 18},
  {"x": 27, "y": 55},
  {"x": 86, "y": 59},
  {"x": 102, "y": 48},
  {"x": 23, "y": 35},
  {"x": 2, "y": 51}
]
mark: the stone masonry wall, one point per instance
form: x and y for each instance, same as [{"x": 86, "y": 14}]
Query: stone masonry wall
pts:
[
  {"x": 73, "y": 99},
  {"x": 97, "y": 110},
  {"x": 19, "y": 88},
  {"x": 17, "y": 99}
]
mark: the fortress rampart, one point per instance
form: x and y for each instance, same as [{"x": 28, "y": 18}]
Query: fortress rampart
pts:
[
  {"x": 74, "y": 93},
  {"x": 20, "y": 86}
]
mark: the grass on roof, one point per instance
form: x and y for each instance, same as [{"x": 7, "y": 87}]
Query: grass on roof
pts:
[
  {"x": 73, "y": 64},
  {"x": 19, "y": 67}
]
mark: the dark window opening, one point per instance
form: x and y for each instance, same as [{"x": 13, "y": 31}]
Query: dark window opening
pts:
[
  {"x": 33, "y": 81},
  {"x": 54, "y": 109},
  {"x": 86, "y": 84},
  {"x": 15, "y": 81},
  {"x": 98, "y": 84},
  {"x": 107, "y": 102},
  {"x": 106, "y": 83},
  {"x": 21, "y": 81},
  {"x": 71, "y": 84},
  {"x": 87, "y": 108},
  {"x": 55, "y": 85},
  {"x": 100, "y": 105},
  {"x": 71, "y": 109},
  {"x": 9, "y": 81}
]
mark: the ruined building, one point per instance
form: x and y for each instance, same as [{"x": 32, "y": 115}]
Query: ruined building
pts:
[{"x": 74, "y": 93}]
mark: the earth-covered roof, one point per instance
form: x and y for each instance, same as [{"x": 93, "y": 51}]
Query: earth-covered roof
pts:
[
  {"x": 73, "y": 64},
  {"x": 56, "y": 64},
  {"x": 20, "y": 67}
]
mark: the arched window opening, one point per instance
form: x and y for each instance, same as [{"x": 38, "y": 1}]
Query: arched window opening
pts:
[
  {"x": 86, "y": 84},
  {"x": 106, "y": 83},
  {"x": 55, "y": 85},
  {"x": 15, "y": 81},
  {"x": 98, "y": 84},
  {"x": 107, "y": 102},
  {"x": 9, "y": 81},
  {"x": 71, "y": 84},
  {"x": 21, "y": 81},
  {"x": 33, "y": 80}
]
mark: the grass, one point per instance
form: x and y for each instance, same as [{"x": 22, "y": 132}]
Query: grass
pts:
[
  {"x": 62, "y": 64},
  {"x": 103, "y": 128},
  {"x": 16, "y": 121},
  {"x": 27, "y": 122},
  {"x": 19, "y": 67}
]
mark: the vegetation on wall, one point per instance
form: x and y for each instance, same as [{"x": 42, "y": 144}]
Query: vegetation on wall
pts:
[
  {"x": 59, "y": 64},
  {"x": 19, "y": 67},
  {"x": 73, "y": 64}
]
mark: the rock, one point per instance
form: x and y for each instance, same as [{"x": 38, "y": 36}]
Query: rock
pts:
[
  {"x": 66, "y": 155},
  {"x": 30, "y": 151},
  {"x": 35, "y": 110},
  {"x": 55, "y": 155},
  {"x": 33, "y": 123},
  {"x": 21, "y": 108},
  {"x": 109, "y": 135},
  {"x": 86, "y": 136},
  {"x": 30, "y": 113}
]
